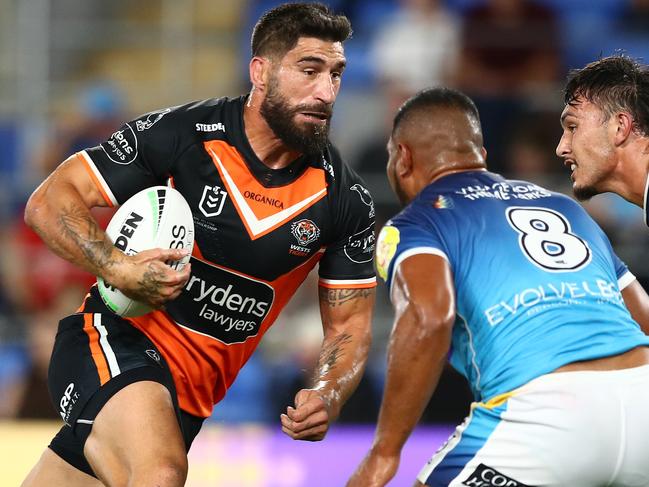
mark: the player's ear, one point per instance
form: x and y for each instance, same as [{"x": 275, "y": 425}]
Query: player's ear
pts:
[
  {"x": 259, "y": 68},
  {"x": 404, "y": 159},
  {"x": 623, "y": 127},
  {"x": 483, "y": 151}
]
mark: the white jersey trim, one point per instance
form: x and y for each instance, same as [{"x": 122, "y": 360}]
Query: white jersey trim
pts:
[
  {"x": 474, "y": 355},
  {"x": 342, "y": 282},
  {"x": 445, "y": 449},
  {"x": 409, "y": 253},
  {"x": 100, "y": 178},
  {"x": 626, "y": 279}
]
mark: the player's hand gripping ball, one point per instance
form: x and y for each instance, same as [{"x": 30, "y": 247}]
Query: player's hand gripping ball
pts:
[{"x": 156, "y": 217}]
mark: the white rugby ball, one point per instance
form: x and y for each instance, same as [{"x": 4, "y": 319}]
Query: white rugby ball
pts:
[{"x": 156, "y": 217}]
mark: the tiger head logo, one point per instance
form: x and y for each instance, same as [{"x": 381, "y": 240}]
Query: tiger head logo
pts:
[{"x": 305, "y": 231}]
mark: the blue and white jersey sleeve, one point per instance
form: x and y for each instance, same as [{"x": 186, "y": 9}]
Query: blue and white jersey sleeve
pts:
[
  {"x": 408, "y": 234},
  {"x": 624, "y": 275}
]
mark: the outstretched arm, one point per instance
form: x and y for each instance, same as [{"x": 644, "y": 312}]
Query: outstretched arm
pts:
[
  {"x": 424, "y": 299},
  {"x": 346, "y": 319},
  {"x": 59, "y": 211}
]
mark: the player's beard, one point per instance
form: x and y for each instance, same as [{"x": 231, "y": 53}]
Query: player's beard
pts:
[
  {"x": 584, "y": 193},
  {"x": 309, "y": 139}
]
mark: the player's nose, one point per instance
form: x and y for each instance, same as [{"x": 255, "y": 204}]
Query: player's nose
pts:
[
  {"x": 325, "y": 90},
  {"x": 563, "y": 147}
]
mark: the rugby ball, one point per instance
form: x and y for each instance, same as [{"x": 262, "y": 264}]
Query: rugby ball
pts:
[{"x": 156, "y": 217}]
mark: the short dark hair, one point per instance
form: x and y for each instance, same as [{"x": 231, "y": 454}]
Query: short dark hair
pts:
[
  {"x": 278, "y": 30},
  {"x": 434, "y": 98},
  {"x": 613, "y": 83}
]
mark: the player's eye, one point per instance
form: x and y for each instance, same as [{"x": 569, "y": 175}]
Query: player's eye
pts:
[{"x": 309, "y": 72}]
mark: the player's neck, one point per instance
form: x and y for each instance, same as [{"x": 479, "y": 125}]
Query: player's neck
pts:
[
  {"x": 453, "y": 168},
  {"x": 632, "y": 187},
  {"x": 629, "y": 179},
  {"x": 265, "y": 144}
]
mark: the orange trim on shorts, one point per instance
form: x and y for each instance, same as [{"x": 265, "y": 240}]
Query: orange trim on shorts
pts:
[
  {"x": 95, "y": 349},
  {"x": 95, "y": 180}
]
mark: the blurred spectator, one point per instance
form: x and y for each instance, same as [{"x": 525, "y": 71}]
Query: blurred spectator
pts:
[
  {"x": 635, "y": 19},
  {"x": 509, "y": 47},
  {"x": 98, "y": 115},
  {"x": 416, "y": 48},
  {"x": 32, "y": 398},
  {"x": 34, "y": 276},
  {"x": 510, "y": 57},
  {"x": 413, "y": 49},
  {"x": 39, "y": 285},
  {"x": 529, "y": 153}
]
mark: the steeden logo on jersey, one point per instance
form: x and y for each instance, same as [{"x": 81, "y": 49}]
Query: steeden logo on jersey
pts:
[
  {"x": 305, "y": 232},
  {"x": 210, "y": 127}
]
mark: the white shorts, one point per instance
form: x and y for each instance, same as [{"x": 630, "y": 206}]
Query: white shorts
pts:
[{"x": 576, "y": 429}]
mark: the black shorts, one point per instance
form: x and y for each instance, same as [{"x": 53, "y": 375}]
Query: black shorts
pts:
[{"x": 96, "y": 355}]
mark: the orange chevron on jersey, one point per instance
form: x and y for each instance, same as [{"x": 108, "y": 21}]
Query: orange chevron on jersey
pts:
[{"x": 264, "y": 209}]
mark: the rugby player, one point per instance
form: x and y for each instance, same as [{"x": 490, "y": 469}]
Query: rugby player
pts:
[
  {"x": 605, "y": 122},
  {"x": 271, "y": 198},
  {"x": 520, "y": 289}
]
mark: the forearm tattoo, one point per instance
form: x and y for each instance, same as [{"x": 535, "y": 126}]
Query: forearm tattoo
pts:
[
  {"x": 331, "y": 352},
  {"x": 337, "y": 297},
  {"x": 78, "y": 226}
]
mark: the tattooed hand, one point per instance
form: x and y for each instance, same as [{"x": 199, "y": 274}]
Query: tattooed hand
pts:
[{"x": 147, "y": 278}]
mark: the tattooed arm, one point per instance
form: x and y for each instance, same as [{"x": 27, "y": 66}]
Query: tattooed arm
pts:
[
  {"x": 59, "y": 211},
  {"x": 346, "y": 319}
]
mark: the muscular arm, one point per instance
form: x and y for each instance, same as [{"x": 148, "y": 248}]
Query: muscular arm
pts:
[
  {"x": 637, "y": 301},
  {"x": 424, "y": 301},
  {"x": 59, "y": 211},
  {"x": 346, "y": 318}
]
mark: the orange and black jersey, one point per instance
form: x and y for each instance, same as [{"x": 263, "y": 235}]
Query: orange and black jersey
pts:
[{"x": 259, "y": 232}]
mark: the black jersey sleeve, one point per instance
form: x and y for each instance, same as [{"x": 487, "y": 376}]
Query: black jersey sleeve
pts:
[
  {"x": 138, "y": 155},
  {"x": 348, "y": 260}
]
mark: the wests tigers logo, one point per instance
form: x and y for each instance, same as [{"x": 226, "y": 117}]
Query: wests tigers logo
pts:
[{"x": 305, "y": 231}]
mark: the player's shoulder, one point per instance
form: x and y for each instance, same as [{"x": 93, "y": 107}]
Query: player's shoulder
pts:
[
  {"x": 338, "y": 173},
  {"x": 202, "y": 116}
]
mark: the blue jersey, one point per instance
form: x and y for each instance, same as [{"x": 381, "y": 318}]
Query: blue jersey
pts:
[{"x": 537, "y": 283}]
